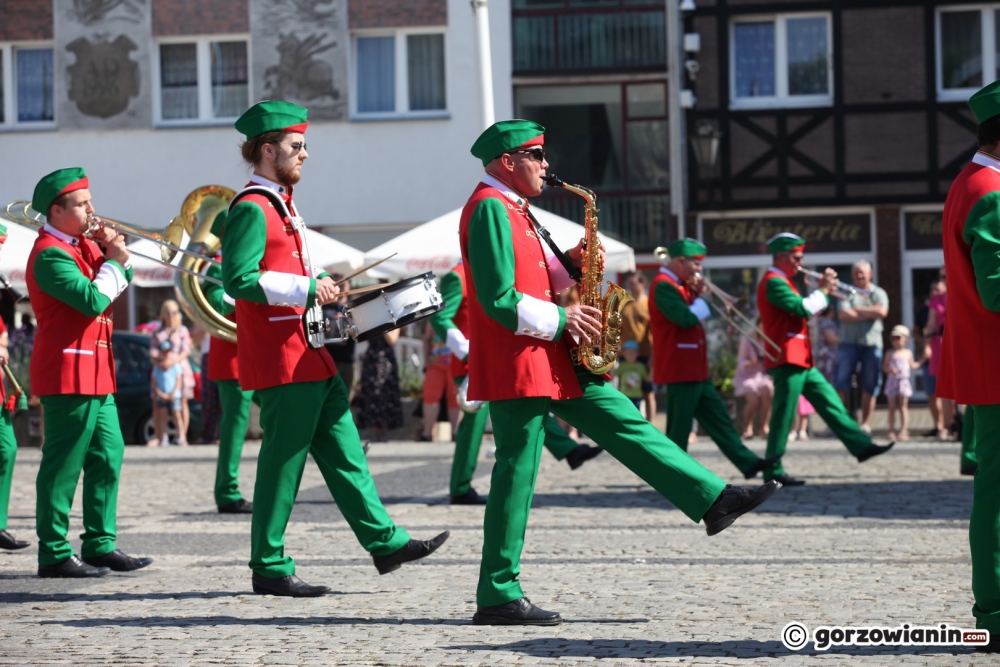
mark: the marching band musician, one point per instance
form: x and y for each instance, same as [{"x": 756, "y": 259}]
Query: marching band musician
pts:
[
  {"x": 970, "y": 359},
  {"x": 72, "y": 284},
  {"x": 224, "y": 371},
  {"x": 8, "y": 444},
  {"x": 680, "y": 358},
  {"x": 304, "y": 404},
  {"x": 520, "y": 362},
  {"x": 784, "y": 315},
  {"x": 451, "y": 324}
]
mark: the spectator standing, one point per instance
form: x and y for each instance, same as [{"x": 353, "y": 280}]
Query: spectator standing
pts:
[
  {"x": 167, "y": 382},
  {"x": 827, "y": 348},
  {"x": 172, "y": 329},
  {"x": 934, "y": 331},
  {"x": 861, "y": 341},
  {"x": 211, "y": 407},
  {"x": 635, "y": 326},
  {"x": 633, "y": 375},
  {"x": 898, "y": 364},
  {"x": 438, "y": 384},
  {"x": 754, "y": 385},
  {"x": 380, "y": 407}
]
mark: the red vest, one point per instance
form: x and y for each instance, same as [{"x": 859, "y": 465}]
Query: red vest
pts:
[
  {"x": 460, "y": 367},
  {"x": 790, "y": 332},
  {"x": 72, "y": 353},
  {"x": 3, "y": 391},
  {"x": 679, "y": 354},
  {"x": 273, "y": 349},
  {"x": 503, "y": 365},
  {"x": 223, "y": 360},
  {"x": 970, "y": 356}
]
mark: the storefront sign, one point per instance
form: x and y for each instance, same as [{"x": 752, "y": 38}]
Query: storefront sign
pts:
[
  {"x": 822, "y": 233},
  {"x": 922, "y": 230}
]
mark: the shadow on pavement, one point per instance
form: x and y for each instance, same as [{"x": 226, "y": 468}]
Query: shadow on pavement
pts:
[{"x": 210, "y": 621}]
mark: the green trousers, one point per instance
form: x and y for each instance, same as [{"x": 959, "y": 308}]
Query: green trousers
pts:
[
  {"x": 81, "y": 433},
  {"x": 235, "y": 404},
  {"x": 792, "y": 381},
  {"x": 470, "y": 437},
  {"x": 687, "y": 401},
  {"x": 607, "y": 416},
  {"x": 8, "y": 452},
  {"x": 984, "y": 523},
  {"x": 968, "y": 457},
  {"x": 313, "y": 418}
]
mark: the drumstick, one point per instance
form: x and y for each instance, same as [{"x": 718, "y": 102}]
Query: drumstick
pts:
[
  {"x": 365, "y": 268},
  {"x": 362, "y": 290}
]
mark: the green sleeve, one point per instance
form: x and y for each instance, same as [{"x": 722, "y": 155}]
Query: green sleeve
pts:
[
  {"x": 780, "y": 295},
  {"x": 982, "y": 233},
  {"x": 451, "y": 294},
  {"x": 491, "y": 259},
  {"x": 243, "y": 244},
  {"x": 59, "y": 276},
  {"x": 672, "y": 305},
  {"x": 214, "y": 293}
]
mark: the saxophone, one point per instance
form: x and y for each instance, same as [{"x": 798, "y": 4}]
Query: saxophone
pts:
[{"x": 597, "y": 356}]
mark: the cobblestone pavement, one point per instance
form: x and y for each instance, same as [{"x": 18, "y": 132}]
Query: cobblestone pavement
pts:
[{"x": 876, "y": 544}]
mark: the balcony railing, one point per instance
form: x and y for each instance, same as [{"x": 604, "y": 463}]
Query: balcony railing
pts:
[
  {"x": 641, "y": 221},
  {"x": 589, "y": 41}
]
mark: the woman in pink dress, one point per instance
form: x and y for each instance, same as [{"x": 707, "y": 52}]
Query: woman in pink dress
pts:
[
  {"x": 934, "y": 331},
  {"x": 172, "y": 328},
  {"x": 753, "y": 383}
]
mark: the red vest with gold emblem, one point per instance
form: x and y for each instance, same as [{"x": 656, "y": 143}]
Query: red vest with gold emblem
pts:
[
  {"x": 503, "y": 365},
  {"x": 970, "y": 356},
  {"x": 460, "y": 367},
  {"x": 273, "y": 349},
  {"x": 679, "y": 354},
  {"x": 790, "y": 332},
  {"x": 72, "y": 353}
]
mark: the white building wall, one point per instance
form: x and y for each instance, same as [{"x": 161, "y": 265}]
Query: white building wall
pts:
[{"x": 359, "y": 173}]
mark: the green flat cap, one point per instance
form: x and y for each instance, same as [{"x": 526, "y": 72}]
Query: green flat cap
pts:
[
  {"x": 219, "y": 223},
  {"x": 272, "y": 116},
  {"x": 784, "y": 242},
  {"x": 57, "y": 184},
  {"x": 687, "y": 248},
  {"x": 507, "y": 135},
  {"x": 986, "y": 102}
]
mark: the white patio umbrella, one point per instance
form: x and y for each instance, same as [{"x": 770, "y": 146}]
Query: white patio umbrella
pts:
[
  {"x": 433, "y": 246},
  {"x": 14, "y": 255}
]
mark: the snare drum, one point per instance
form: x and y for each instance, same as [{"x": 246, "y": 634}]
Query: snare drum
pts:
[{"x": 393, "y": 307}]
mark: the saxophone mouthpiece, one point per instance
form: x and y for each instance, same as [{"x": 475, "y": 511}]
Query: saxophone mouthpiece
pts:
[{"x": 553, "y": 181}]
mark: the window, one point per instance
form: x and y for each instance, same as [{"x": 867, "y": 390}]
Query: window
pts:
[
  {"x": 781, "y": 61},
  {"x": 201, "y": 81},
  {"x": 966, "y": 48},
  {"x": 397, "y": 74},
  {"x": 27, "y": 97}
]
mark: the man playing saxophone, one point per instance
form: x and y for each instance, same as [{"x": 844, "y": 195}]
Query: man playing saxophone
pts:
[{"x": 519, "y": 360}]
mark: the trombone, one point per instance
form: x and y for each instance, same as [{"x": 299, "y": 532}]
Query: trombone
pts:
[
  {"x": 20, "y": 212},
  {"x": 737, "y": 319},
  {"x": 842, "y": 290}
]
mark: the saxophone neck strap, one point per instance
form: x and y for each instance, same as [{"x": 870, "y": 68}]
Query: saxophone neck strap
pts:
[{"x": 573, "y": 271}]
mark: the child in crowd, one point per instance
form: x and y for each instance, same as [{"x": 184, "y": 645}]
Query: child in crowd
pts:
[
  {"x": 166, "y": 397},
  {"x": 633, "y": 377},
  {"x": 896, "y": 367},
  {"x": 800, "y": 425}
]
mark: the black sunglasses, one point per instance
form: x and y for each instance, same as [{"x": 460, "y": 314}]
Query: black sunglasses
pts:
[{"x": 536, "y": 153}]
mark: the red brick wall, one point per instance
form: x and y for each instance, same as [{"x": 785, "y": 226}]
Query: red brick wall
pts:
[
  {"x": 25, "y": 19},
  {"x": 206, "y": 17},
  {"x": 396, "y": 13}
]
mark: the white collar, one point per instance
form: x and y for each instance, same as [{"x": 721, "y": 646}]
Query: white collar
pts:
[
  {"x": 667, "y": 272},
  {"x": 984, "y": 160},
  {"x": 268, "y": 183},
  {"x": 504, "y": 189},
  {"x": 774, "y": 269},
  {"x": 62, "y": 236}
]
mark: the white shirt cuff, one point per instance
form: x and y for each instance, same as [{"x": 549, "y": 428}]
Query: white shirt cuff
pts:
[
  {"x": 558, "y": 275},
  {"x": 815, "y": 302},
  {"x": 700, "y": 309},
  {"x": 285, "y": 289},
  {"x": 228, "y": 299},
  {"x": 458, "y": 343},
  {"x": 110, "y": 281},
  {"x": 537, "y": 318}
]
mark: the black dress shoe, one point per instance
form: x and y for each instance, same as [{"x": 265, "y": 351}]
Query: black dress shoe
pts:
[
  {"x": 992, "y": 647},
  {"x": 762, "y": 464},
  {"x": 71, "y": 568},
  {"x": 365, "y": 447},
  {"x": 788, "y": 480},
  {"x": 874, "y": 450},
  {"x": 518, "y": 612},
  {"x": 734, "y": 502},
  {"x": 290, "y": 586},
  {"x": 969, "y": 470},
  {"x": 11, "y": 543},
  {"x": 119, "y": 561},
  {"x": 412, "y": 550},
  {"x": 470, "y": 497},
  {"x": 240, "y": 506},
  {"x": 581, "y": 454}
]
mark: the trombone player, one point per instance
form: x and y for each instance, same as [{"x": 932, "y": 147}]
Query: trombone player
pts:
[
  {"x": 785, "y": 314},
  {"x": 680, "y": 357}
]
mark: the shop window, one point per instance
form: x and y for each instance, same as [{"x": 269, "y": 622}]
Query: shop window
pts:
[
  {"x": 781, "y": 61},
  {"x": 402, "y": 73},
  {"x": 27, "y": 98},
  {"x": 201, "y": 81},
  {"x": 966, "y": 50}
]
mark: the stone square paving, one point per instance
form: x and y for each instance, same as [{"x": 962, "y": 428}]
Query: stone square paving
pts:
[{"x": 881, "y": 544}]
